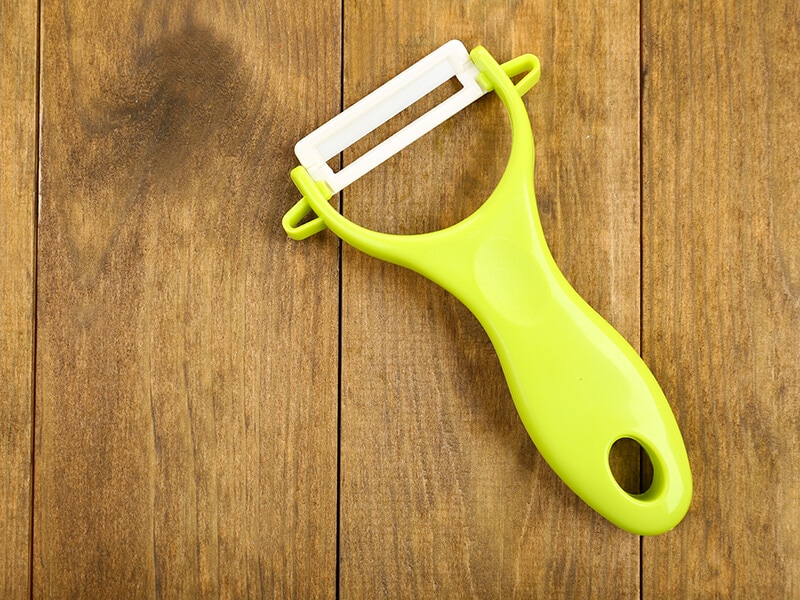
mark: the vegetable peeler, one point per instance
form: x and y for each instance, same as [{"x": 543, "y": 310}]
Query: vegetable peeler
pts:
[{"x": 576, "y": 382}]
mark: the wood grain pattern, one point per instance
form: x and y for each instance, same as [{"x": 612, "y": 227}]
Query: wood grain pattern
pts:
[
  {"x": 722, "y": 288},
  {"x": 186, "y": 374},
  {"x": 187, "y": 353},
  {"x": 442, "y": 491},
  {"x": 18, "y": 27}
]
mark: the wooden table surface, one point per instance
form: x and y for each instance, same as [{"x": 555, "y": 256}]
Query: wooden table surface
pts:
[{"x": 193, "y": 406}]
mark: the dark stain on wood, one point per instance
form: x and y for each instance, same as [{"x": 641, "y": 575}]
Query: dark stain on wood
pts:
[{"x": 148, "y": 136}]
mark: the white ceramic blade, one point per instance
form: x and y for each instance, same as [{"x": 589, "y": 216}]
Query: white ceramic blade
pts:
[{"x": 375, "y": 109}]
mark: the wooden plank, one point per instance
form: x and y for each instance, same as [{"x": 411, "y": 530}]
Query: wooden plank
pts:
[
  {"x": 187, "y": 352},
  {"x": 18, "y": 23},
  {"x": 722, "y": 288},
  {"x": 18, "y": 33},
  {"x": 442, "y": 492}
]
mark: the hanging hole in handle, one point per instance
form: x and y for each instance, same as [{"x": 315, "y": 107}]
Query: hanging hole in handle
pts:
[{"x": 631, "y": 465}]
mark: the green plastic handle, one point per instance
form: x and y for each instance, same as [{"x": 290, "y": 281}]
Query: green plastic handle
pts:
[{"x": 577, "y": 384}]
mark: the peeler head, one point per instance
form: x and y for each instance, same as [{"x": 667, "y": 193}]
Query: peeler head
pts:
[
  {"x": 372, "y": 111},
  {"x": 450, "y": 61}
]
